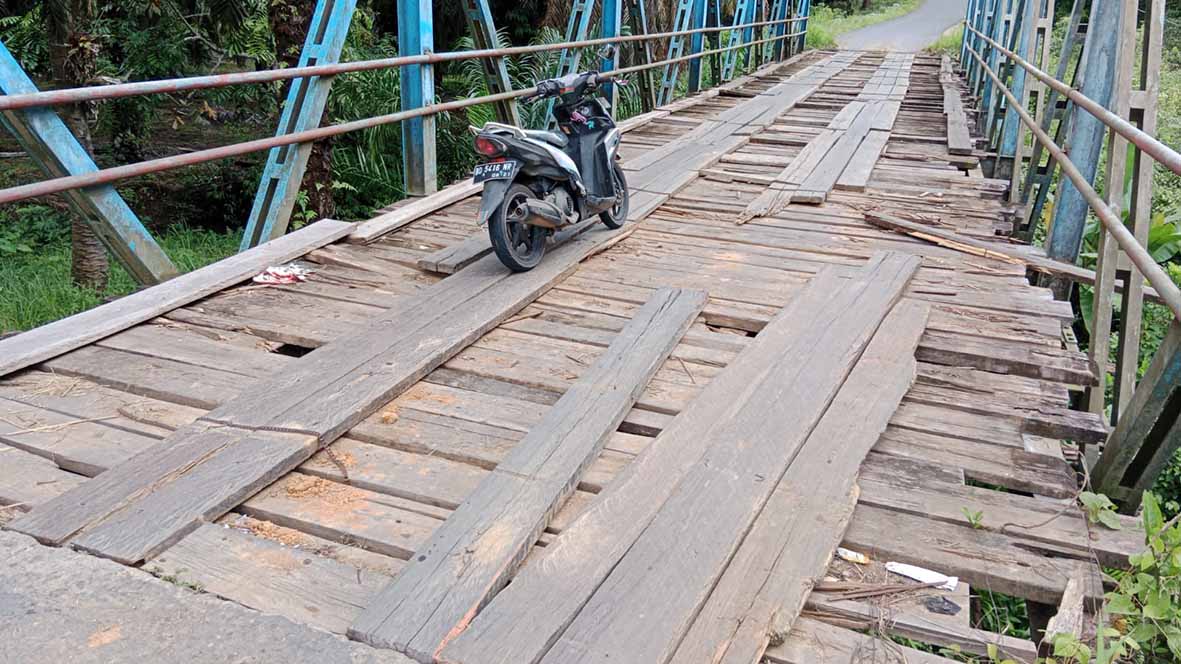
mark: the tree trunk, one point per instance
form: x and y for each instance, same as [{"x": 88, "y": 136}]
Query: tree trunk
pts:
[
  {"x": 73, "y": 58},
  {"x": 290, "y": 20}
]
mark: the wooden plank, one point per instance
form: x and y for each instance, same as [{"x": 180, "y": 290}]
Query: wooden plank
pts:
[
  {"x": 983, "y": 558},
  {"x": 815, "y": 186},
  {"x": 793, "y": 540},
  {"x": 48, "y": 341},
  {"x": 270, "y": 577},
  {"x": 328, "y": 392},
  {"x": 857, "y": 173},
  {"x": 368, "y": 231},
  {"x": 30, "y": 480},
  {"x": 925, "y": 629},
  {"x": 517, "y": 627},
  {"x": 476, "y": 550},
  {"x": 815, "y": 642}
]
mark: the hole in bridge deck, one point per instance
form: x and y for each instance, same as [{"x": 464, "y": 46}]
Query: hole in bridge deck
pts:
[{"x": 292, "y": 350}]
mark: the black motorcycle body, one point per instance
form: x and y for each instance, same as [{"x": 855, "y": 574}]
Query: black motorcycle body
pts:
[{"x": 538, "y": 182}]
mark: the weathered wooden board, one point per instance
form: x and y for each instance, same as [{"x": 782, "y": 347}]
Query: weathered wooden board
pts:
[
  {"x": 43, "y": 343},
  {"x": 663, "y": 484},
  {"x": 333, "y": 389},
  {"x": 794, "y": 538},
  {"x": 472, "y": 555}
]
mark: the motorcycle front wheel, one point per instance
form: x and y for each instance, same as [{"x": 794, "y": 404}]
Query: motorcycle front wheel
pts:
[
  {"x": 517, "y": 244},
  {"x": 617, "y": 215}
]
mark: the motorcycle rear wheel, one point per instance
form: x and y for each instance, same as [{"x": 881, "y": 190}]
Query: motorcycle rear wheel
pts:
[
  {"x": 617, "y": 215},
  {"x": 517, "y": 244}
]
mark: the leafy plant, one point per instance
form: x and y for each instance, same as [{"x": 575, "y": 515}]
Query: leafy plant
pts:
[
  {"x": 1100, "y": 509},
  {"x": 975, "y": 518}
]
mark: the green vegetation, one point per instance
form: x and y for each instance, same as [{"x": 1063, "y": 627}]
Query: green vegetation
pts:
[
  {"x": 35, "y": 285},
  {"x": 949, "y": 42},
  {"x": 827, "y": 22}
]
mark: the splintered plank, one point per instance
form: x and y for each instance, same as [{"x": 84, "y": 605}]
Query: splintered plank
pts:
[
  {"x": 775, "y": 390},
  {"x": 48, "y": 341},
  {"x": 134, "y": 510},
  {"x": 30, "y": 480},
  {"x": 815, "y": 642},
  {"x": 476, "y": 550},
  {"x": 793, "y": 540}
]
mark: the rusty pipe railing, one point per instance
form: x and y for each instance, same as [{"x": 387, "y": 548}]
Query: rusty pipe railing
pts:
[
  {"x": 109, "y": 175},
  {"x": 1165, "y": 288},
  {"x": 1161, "y": 153},
  {"x": 138, "y": 88}
]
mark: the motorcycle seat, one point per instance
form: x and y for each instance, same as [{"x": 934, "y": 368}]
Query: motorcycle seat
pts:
[{"x": 553, "y": 138}]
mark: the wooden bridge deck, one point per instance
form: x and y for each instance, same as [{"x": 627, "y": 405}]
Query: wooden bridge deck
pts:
[{"x": 969, "y": 478}]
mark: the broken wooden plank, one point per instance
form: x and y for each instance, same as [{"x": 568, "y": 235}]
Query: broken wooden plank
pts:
[
  {"x": 517, "y": 627},
  {"x": 53, "y": 339},
  {"x": 815, "y": 642},
  {"x": 476, "y": 550},
  {"x": 326, "y": 393},
  {"x": 793, "y": 540}
]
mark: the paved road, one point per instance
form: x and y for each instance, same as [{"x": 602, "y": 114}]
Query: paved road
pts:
[
  {"x": 58, "y": 606},
  {"x": 913, "y": 32}
]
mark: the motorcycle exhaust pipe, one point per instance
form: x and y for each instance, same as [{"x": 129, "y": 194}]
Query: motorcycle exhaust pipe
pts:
[{"x": 541, "y": 213}]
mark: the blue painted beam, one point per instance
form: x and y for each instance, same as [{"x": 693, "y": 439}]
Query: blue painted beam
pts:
[
  {"x": 307, "y": 98},
  {"x": 483, "y": 30},
  {"x": 611, "y": 26},
  {"x": 1087, "y": 133},
  {"x": 576, "y": 30},
  {"x": 779, "y": 9},
  {"x": 1026, "y": 21},
  {"x": 416, "y": 36},
  {"x": 638, "y": 19},
  {"x": 735, "y": 38},
  {"x": 695, "y": 44},
  {"x": 1000, "y": 65},
  {"x": 676, "y": 49},
  {"x": 803, "y": 9},
  {"x": 990, "y": 54},
  {"x": 48, "y": 141},
  {"x": 969, "y": 20}
]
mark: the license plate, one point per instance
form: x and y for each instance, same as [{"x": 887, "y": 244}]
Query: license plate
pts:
[{"x": 495, "y": 170}]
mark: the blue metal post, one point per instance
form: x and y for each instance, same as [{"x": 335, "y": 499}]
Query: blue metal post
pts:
[
  {"x": 638, "y": 19},
  {"x": 748, "y": 34},
  {"x": 416, "y": 36},
  {"x": 969, "y": 20},
  {"x": 695, "y": 44},
  {"x": 778, "y": 13},
  {"x": 612, "y": 22},
  {"x": 803, "y": 9},
  {"x": 994, "y": 32},
  {"x": 676, "y": 48},
  {"x": 307, "y": 98},
  {"x": 483, "y": 29},
  {"x": 1101, "y": 54},
  {"x": 730, "y": 57},
  {"x": 576, "y": 30},
  {"x": 1005, "y": 29},
  {"x": 1026, "y": 21},
  {"x": 49, "y": 142}
]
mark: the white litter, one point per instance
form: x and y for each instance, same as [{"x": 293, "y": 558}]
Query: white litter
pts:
[
  {"x": 853, "y": 556},
  {"x": 924, "y": 575},
  {"x": 290, "y": 273}
]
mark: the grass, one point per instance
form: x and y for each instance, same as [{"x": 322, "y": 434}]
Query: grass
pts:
[
  {"x": 35, "y": 285},
  {"x": 826, "y": 23},
  {"x": 949, "y": 42}
]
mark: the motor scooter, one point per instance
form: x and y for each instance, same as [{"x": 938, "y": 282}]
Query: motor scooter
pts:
[{"x": 537, "y": 182}]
